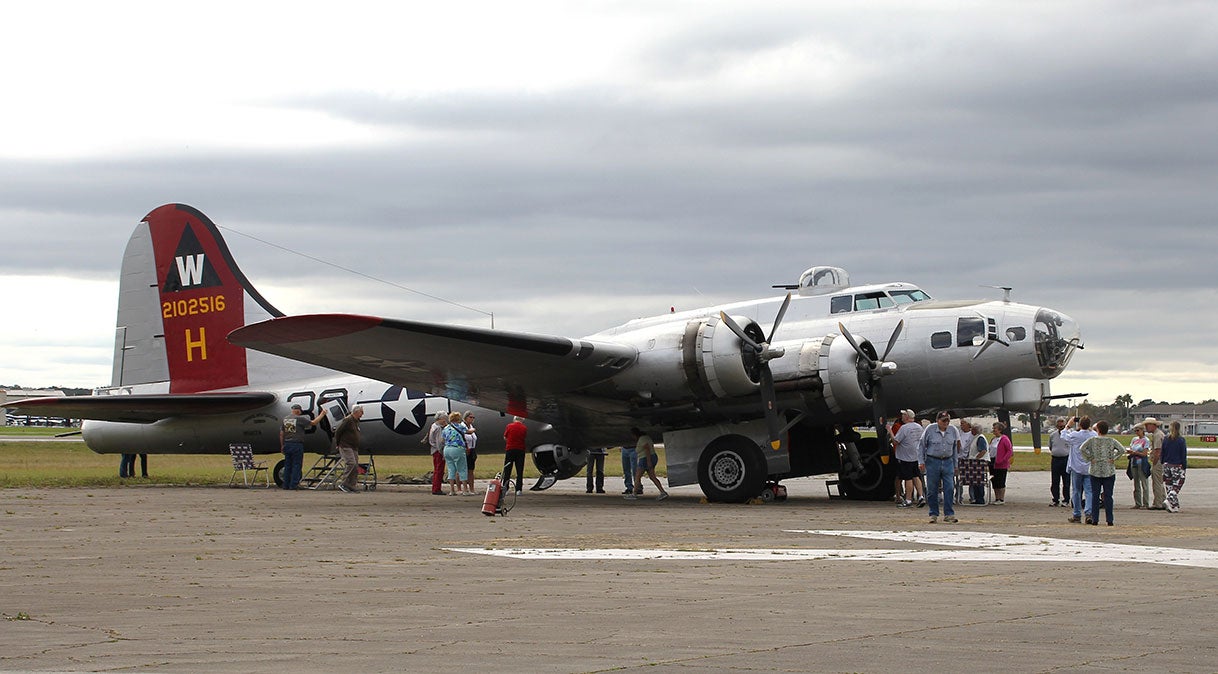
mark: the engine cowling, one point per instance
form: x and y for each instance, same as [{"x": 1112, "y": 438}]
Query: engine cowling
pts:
[
  {"x": 714, "y": 361},
  {"x": 698, "y": 359},
  {"x": 834, "y": 362},
  {"x": 559, "y": 461}
]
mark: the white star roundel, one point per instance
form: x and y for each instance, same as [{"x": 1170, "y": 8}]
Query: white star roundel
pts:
[{"x": 403, "y": 411}]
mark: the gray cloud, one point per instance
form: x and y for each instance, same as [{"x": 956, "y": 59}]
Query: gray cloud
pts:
[{"x": 1065, "y": 152}]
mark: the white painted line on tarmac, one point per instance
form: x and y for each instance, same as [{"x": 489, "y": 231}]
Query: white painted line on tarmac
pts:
[
  {"x": 967, "y": 546},
  {"x": 1036, "y": 548}
]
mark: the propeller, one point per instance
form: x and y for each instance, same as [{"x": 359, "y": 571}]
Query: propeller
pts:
[
  {"x": 763, "y": 353},
  {"x": 875, "y": 369}
]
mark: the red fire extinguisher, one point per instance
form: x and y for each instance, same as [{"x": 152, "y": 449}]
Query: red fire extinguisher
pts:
[{"x": 494, "y": 496}]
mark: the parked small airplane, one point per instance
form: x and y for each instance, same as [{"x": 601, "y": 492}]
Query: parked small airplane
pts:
[
  {"x": 743, "y": 394},
  {"x": 179, "y": 387}
]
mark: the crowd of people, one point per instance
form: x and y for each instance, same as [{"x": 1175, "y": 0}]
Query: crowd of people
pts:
[
  {"x": 935, "y": 462},
  {"x": 1156, "y": 466},
  {"x": 453, "y": 439}
]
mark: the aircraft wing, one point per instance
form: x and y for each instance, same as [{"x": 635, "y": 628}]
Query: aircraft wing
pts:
[
  {"x": 511, "y": 371},
  {"x": 143, "y": 408}
]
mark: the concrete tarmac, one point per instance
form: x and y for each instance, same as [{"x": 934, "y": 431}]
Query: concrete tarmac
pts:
[{"x": 172, "y": 579}]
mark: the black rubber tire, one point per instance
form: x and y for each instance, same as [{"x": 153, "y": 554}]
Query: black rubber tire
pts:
[
  {"x": 732, "y": 469},
  {"x": 876, "y": 483},
  {"x": 277, "y": 473}
]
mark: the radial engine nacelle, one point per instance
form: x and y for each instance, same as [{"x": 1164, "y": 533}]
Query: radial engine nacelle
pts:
[
  {"x": 557, "y": 462},
  {"x": 700, "y": 358}
]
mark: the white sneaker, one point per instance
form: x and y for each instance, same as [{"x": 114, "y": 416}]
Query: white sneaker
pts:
[
  {"x": 663, "y": 496},
  {"x": 518, "y": 492},
  {"x": 1000, "y": 502},
  {"x": 630, "y": 497}
]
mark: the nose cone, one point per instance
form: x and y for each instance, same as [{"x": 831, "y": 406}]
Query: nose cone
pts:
[{"x": 1057, "y": 336}]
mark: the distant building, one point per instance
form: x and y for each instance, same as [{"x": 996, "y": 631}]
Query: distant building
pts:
[
  {"x": 24, "y": 394},
  {"x": 1197, "y": 419}
]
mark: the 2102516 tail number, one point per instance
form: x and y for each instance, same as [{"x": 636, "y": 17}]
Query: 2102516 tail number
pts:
[{"x": 193, "y": 306}]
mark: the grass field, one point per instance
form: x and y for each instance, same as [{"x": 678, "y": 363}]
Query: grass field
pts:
[{"x": 71, "y": 464}]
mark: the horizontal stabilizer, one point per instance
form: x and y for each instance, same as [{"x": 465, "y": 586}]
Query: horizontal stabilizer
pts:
[{"x": 144, "y": 409}]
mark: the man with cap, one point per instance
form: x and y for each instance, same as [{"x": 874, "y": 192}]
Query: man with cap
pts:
[
  {"x": 937, "y": 457},
  {"x": 1059, "y": 478},
  {"x": 1156, "y": 436},
  {"x": 291, "y": 443},
  {"x": 905, "y": 449}
]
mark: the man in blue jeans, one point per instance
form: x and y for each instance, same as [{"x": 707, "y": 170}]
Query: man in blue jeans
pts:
[
  {"x": 629, "y": 458},
  {"x": 937, "y": 458},
  {"x": 1076, "y": 432},
  {"x": 291, "y": 443}
]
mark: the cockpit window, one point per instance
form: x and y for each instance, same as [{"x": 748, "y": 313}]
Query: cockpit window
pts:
[
  {"x": 1017, "y": 334},
  {"x": 968, "y": 330},
  {"x": 876, "y": 300},
  {"x": 840, "y": 304},
  {"x": 909, "y": 296}
]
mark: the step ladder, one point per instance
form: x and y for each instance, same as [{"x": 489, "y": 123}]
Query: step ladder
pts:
[{"x": 328, "y": 468}]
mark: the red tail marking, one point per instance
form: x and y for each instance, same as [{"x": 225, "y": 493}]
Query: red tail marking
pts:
[{"x": 201, "y": 302}]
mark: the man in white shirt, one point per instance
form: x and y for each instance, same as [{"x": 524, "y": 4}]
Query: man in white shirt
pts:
[
  {"x": 905, "y": 444},
  {"x": 1059, "y": 453},
  {"x": 1076, "y": 432}
]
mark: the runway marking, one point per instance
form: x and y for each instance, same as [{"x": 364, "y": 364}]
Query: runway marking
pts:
[{"x": 967, "y": 546}]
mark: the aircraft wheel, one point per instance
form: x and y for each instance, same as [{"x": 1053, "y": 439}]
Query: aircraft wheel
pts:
[
  {"x": 731, "y": 469},
  {"x": 767, "y": 495},
  {"x": 277, "y": 473},
  {"x": 875, "y": 484}
]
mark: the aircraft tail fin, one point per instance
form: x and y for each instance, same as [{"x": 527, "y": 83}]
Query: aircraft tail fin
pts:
[{"x": 180, "y": 294}]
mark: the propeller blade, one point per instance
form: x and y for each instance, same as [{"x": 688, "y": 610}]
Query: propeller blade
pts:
[
  {"x": 770, "y": 400},
  {"x": 727, "y": 320},
  {"x": 782, "y": 311},
  {"x": 850, "y": 338},
  {"x": 892, "y": 341}
]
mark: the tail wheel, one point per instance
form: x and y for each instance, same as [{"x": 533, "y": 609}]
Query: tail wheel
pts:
[{"x": 732, "y": 470}]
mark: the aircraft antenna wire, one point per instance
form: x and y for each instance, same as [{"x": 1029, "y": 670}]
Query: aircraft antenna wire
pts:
[{"x": 370, "y": 277}]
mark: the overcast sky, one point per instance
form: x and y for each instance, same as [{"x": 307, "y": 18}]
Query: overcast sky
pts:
[{"x": 571, "y": 165}]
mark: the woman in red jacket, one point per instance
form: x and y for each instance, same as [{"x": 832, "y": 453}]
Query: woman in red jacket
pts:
[{"x": 1003, "y": 452}]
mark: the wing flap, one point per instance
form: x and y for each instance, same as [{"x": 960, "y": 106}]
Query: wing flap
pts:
[
  {"x": 511, "y": 371},
  {"x": 144, "y": 408}
]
